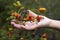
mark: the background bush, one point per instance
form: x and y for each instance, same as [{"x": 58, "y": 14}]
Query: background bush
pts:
[{"x": 53, "y": 12}]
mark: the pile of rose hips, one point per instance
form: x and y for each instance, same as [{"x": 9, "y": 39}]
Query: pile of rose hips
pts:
[
  {"x": 18, "y": 16},
  {"x": 28, "y": 18}
]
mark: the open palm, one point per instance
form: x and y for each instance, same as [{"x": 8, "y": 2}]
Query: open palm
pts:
[{"x": 32, "y": 25}]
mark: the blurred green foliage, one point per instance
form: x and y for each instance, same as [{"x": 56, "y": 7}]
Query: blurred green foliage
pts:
[{"x": 7, "y": 7}]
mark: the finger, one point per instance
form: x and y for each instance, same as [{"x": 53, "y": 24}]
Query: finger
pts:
[
  {"x": 18, "y": 26},
  {"x": 29, "y": 27},
  {"x": 13, "y": 20},
  {"x": 32, "y": 13},
  {"x": 12, "y": 23}
]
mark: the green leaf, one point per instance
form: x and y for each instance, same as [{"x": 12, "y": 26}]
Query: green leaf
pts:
[
  {"x": 18, "y": 3},
  {"x": 22, "y": 8}
]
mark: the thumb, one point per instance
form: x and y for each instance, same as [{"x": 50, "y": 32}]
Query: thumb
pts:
[{"x": 32, "y": 13}]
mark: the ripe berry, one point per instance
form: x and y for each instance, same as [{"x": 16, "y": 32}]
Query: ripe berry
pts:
[
  {"x": 42, "y": 9},
  {"x": 39, "y": 17},
  {"x": 44, "y": 35},
  {"x": 30, "y": 18}
]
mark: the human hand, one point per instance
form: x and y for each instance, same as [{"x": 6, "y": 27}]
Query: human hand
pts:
[
  {"x": 13, "y": 21},
  {"x": 30, "y": 26},
  {"x": 42, "y": 23}
]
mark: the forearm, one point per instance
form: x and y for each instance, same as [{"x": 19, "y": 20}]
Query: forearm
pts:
[{"x": 55, "y": 24}]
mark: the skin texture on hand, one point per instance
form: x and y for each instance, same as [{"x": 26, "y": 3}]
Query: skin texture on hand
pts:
[
  {"x": 46, "y": 21},
  {"x": 32, "y": 25},
  {"x": 42, "y": 23}
]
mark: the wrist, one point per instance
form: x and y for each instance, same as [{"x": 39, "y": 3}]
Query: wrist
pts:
[
  {"x": 50, "y": 23},
  {"x": 54, "y": 24}
]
